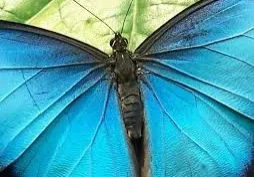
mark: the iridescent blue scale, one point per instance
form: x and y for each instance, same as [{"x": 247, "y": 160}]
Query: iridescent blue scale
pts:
[{"x": 60, "y": 114}]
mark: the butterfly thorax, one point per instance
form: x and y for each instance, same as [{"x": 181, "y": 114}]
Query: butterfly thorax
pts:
[{"x": 124, "y": 69}]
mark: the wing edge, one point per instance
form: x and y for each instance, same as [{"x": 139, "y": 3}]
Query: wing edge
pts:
[{"x": 98, "y": 54}]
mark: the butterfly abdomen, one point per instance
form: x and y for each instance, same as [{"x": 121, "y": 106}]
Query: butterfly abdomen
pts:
[{"x": 132, "y": 114}]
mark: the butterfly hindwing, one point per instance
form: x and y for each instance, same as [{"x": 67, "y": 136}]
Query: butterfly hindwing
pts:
[
  {"x": 198, "y": 90},
  {"x": 59, "y": 113},
  {"x": 191, "y": 134}
]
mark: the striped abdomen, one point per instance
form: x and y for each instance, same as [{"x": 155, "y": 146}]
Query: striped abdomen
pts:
[{"x": 132, "y": 109}]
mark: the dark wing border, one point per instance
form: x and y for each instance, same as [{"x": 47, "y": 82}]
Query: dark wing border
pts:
[
  {"x": 145, "y": 45},
  {"x": 57, "y": 36}
]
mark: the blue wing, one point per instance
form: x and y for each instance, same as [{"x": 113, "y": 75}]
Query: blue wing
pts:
[
  {"x": 58, "y": 114},
  {"x": 198, "y": 92}
]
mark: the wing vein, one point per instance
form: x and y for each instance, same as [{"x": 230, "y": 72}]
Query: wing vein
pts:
[
  {"x": 147, "y": 83},
  {"x": 19, "y": 86},
  {"x": 224, "y": 118},
  {"x": 51, "y": 67},
  {"x": 55, "y": 153},
  {"x": 96, "y": 130},
  {"x": 221, "y": 11},
  {"x": 195, "y": 78},
  {"x": 201, "y": 45},
  {"x": 37, "y": 116},
  {"x": 35, "y": 103},
  {"x": 227, "y": 55},
  {"x": 216, "y": 132},
  {"x": 111, "y": 149},
  {"x": 245, "y": 35}
]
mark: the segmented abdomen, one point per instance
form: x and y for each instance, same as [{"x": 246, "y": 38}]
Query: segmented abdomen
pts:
[
  {"x": 132, "y": 108},
  {"x": 132, "y": 115}
]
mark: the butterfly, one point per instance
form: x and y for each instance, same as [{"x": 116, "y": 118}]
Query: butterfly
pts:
[{"x": 181, "y": 104}]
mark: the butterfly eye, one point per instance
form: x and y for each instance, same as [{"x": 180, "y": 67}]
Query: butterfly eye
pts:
[{"x": 112, "y": 42}]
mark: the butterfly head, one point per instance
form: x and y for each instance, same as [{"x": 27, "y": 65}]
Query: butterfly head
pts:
[{"x": 118, "y": 43}]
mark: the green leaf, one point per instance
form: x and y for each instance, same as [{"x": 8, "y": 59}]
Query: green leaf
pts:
[
  {"x": 20, "y": 10},
  {"x": 68, "y": 18}
]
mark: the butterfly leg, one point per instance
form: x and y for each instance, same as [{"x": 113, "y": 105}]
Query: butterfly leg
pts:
[{"x": 140, "y": 71}]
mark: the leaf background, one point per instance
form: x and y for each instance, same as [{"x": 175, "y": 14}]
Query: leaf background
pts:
[{"x": 68, "y": 18}]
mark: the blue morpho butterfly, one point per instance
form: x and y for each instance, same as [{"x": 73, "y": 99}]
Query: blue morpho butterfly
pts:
[{"x": 181, "y": 105}]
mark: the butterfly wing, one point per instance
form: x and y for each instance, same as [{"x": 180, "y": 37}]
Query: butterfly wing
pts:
[
  {"x": 198, "y": 91},
  {"x": 58, "y": 113}
]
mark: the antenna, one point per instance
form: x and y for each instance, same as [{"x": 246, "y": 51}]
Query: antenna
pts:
[
  {"x": 126, "y": 16},
  {"x": 94, "y": 15}
]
